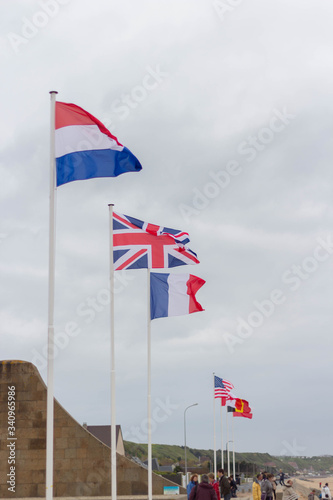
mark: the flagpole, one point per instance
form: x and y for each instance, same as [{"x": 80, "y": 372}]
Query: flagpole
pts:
[
  {"x": 221, "y": 414},
  {"x": 233, "y": 449},
  {"x": 214, "y": 425},
  {"x": 113, "y": 368},
  {"x": 150, "y": 469},
  {"x": 50, "y": 334},
  {"x": 228, "y": 459}
]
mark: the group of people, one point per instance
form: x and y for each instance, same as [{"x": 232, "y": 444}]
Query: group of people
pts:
[
  {"x": 211, "y": 488},
  {"x": 325, "y": 492},
  {"x": 264, "y": 487}
]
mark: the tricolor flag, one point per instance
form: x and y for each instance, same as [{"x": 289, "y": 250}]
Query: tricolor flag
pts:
[
  {"x": 85, "y": 148},
  {"x": 138, "y": 244},
  {"x": 222, "y": 387},
  {"x": 174, "y": 294}
]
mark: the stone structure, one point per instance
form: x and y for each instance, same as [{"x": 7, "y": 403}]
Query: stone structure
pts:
[
  {"x": 103, "y": 433},
  {"x": 81, "y": 461}
]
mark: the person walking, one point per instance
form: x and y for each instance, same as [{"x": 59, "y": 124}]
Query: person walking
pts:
[
  {"x": 215, "y": 484},
  {"x": 288, "y": 492},
  {"x": 233, "y": 487},
  {"x": 225, "y": 488},
  {"x": 256, "y": 489},
  {"x": 267, "y": 488},
  {"x": 325, "y": 492},
  {"x": 193, "y": 482},
  {"x": 203, "y": 491},
  {"x": 282, "y": 478}
]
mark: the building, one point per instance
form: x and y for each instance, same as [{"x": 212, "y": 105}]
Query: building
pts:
[{"x": 82, "y": 462}]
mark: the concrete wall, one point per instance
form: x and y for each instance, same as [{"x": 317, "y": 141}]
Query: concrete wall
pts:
[
  {"x": 81, "y": 462},
  {"x": 303, "y": 489}
]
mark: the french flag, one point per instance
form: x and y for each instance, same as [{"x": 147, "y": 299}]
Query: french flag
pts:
[
  {"x": 85, "y": 148},
  {"x": 174, "y": 294}
]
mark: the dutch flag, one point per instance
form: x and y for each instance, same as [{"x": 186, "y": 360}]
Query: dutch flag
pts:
[
  {"x": 85, "y": 148},
  {"x": 174, "y": 294}
]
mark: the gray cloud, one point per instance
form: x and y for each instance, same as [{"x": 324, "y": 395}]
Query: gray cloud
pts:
[{"x": 224, "y": 80}]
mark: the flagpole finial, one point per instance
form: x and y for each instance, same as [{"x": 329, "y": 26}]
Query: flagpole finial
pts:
[
  {"x": 111, "y": 205},
  {"x": 53, "y": 92}
]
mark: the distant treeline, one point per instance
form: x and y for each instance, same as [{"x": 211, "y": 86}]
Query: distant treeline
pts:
[{"x": 248, "y": 463}]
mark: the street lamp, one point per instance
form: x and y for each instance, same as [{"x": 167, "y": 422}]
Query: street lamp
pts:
[{"x": 195, "y": 404}]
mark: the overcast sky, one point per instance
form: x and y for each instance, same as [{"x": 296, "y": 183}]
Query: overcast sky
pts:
[{"x": 228, "y": 107}]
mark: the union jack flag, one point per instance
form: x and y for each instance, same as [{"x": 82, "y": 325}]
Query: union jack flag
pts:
[
  {"x": 222, "y": 388},
  {"x": 139, "y": 244}
]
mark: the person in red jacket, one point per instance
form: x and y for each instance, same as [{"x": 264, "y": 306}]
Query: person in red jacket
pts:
[
  {"x": 203, "y": 491},
  {"x": 215, "y": 485}
]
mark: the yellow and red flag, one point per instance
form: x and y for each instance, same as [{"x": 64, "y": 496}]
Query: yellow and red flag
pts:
[{"x": 239, "y": 407}]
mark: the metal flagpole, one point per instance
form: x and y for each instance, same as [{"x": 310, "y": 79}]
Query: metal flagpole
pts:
[
  {"x": 214, "y": 426},
  {"x": 222, "y": 459},
  {"x": 150, "y": 468},
  {"x": 228, "y": 459},
  {"x": 233, "y": 449},
  {"x": 50, "y": 334},
  {"x": 113, "y": 368}
]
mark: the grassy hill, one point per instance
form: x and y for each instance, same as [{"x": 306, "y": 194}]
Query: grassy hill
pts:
[
  {"x": 170, "y": 454},
  {"x": 317, "y": 464},
  {"x": 166, "y": 454}
]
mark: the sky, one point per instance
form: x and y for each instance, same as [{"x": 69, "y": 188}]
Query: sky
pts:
[{"x": 228, "y": 106}]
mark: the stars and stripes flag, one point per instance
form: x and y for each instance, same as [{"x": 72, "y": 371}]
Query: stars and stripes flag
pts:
[
  {"x": 141, "y": 245},
  {"x": 222, "y": 388}
]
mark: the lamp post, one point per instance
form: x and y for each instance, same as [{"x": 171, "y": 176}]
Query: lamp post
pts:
[{"x": 195, "y": 404}]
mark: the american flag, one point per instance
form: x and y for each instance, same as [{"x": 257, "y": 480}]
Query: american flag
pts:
[
  {"x": 222, "y": 387},
  {"x": 139, "y": 244}
]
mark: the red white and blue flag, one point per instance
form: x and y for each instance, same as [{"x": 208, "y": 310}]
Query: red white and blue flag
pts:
[
  {"x": 222, "y": 388},
  {"x": 85, "y": 148},
  {"x": 138, "y": 244},
  {"x": 174, "y": 294}
]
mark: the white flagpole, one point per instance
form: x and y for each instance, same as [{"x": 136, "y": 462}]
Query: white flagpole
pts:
[
  {"x": 221, "y": 414},
  {"x": 228, "y": 457},
  {"x": 214, "y": 426},
  {"x": 50, "y": 335},
  {"x": 150, "y": 468},
  {"x": 113, "y": 368},
  {"x": 233, "y": 449}
]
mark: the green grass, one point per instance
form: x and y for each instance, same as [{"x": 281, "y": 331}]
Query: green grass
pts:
[{"x": 170, "y": 454}]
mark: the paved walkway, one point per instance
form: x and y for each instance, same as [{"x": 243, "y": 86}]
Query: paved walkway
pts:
[{"x": 129, "y": 497}]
